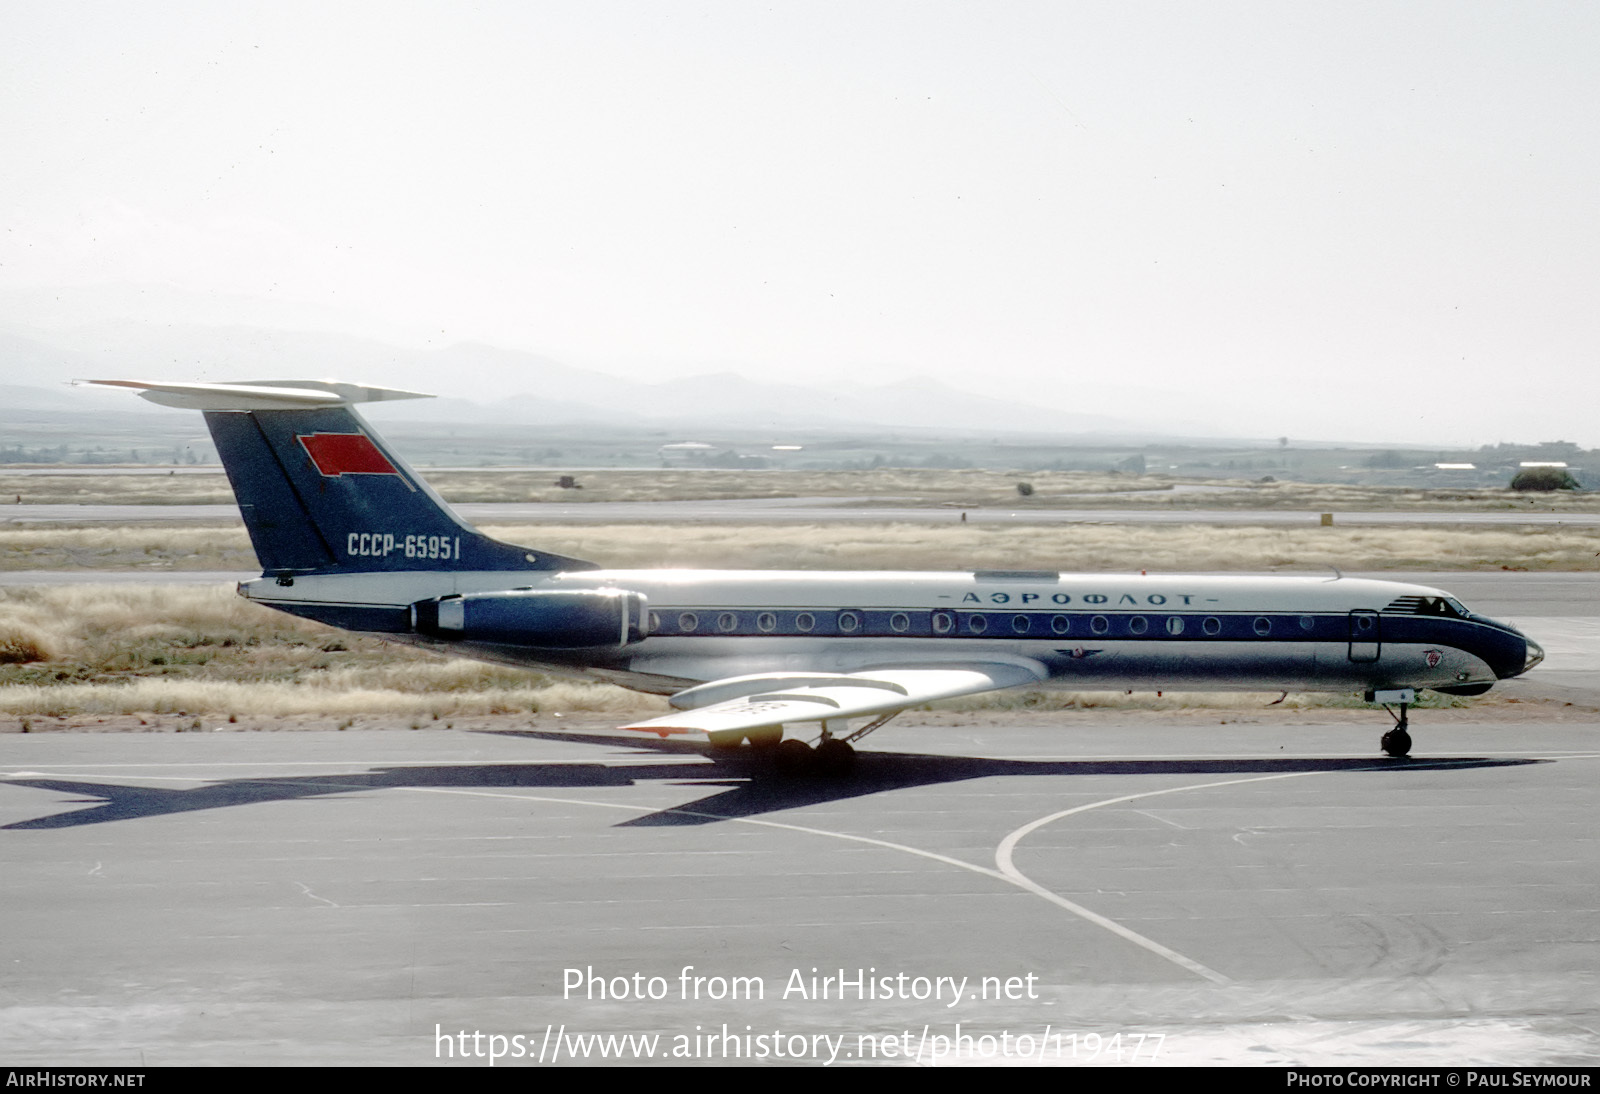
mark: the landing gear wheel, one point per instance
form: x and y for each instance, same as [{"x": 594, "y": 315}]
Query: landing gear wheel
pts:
[
  {"x": 1397, "y": 743},
  {"x": 792, "y": 756},
  {"x": 835, "y": 757}
]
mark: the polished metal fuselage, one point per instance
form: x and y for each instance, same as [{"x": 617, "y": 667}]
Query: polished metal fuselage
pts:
[{"x": 1087, "y": 631}]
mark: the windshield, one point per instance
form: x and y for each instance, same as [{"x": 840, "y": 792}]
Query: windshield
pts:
[{"x": 1447, "y": 606}]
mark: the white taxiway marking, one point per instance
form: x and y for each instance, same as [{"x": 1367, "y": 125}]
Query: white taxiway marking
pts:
[{"x": 1014, "y": 878}]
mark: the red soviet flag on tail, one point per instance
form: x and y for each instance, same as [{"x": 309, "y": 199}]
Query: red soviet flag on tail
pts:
[{"x": 345, "y": 454}]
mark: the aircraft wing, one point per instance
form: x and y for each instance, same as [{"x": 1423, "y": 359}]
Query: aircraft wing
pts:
[{"x": 772, "y": 700}]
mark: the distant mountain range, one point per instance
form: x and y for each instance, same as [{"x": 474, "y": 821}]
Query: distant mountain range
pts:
[{"x": 481, "y": 383}]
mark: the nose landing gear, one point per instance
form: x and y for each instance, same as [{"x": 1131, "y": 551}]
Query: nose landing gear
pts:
[{"x": 1397, "y": 741}]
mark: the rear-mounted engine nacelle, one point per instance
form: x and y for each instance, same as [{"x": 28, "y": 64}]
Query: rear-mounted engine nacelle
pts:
[{"x": 543, "y": 618}]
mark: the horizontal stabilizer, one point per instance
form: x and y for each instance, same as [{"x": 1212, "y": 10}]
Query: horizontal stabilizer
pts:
[
  {"x": 258, "y": 394},
  {"x": 815, "y": 698}
]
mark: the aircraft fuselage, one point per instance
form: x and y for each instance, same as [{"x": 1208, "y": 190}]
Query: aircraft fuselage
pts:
[{"x": 1087, "y": 631}]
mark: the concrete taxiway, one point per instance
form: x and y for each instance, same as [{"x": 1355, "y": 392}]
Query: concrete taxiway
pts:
[{"x": 1120, "y": 890}]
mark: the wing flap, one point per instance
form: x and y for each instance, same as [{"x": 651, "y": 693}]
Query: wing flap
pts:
[{"x": 840, "y": 696}]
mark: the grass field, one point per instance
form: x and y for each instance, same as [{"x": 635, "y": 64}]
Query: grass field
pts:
[
  {"x": 130, "y": 649},
  {"x": 1076, "y": 547},
  {"x": 885, "y": 486},
  {"x": 187, "y": 652}
]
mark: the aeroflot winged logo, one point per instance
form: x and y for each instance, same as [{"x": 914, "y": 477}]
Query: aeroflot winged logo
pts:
[{"x": 338, "y": 454}]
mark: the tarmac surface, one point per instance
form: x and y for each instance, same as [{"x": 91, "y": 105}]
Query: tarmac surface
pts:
[{"x": 1125, "y": 891}]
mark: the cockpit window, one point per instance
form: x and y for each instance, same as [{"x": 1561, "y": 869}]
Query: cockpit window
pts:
[{"x": 1447, "y": 606}]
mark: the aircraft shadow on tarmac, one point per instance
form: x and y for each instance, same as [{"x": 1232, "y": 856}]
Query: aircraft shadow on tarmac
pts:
[{"x": 749, "y": 786}]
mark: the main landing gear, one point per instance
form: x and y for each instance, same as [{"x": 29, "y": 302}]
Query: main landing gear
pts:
[
  {"x": 1396, "y": 742},
  {"x": 832, "y": 756}
]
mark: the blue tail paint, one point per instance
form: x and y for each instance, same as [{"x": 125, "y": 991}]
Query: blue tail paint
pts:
[{"x": 321, "y": 493}]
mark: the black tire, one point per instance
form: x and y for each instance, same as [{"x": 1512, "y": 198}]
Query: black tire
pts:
[
  {"x": 1397, "y": 743},
  {"x": 792, "y": 757},
  {"x": 834, "y": 757}
]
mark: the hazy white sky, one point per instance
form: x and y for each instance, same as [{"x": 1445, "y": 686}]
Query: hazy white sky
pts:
[{"x": 1367, "y": 221}]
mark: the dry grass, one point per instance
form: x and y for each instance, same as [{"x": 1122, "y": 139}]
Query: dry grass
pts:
[
  {"x": 969, "y": 489},
  {"x": 1069, "y": 548},
  {"x": 91, "y": 489},
  {"x": 137, "y": 546},
  {"x": 953, "y": 546},
  {"x": 194, "y": 650},
  {"x": 884, "y": 486},
  {"x": 22, "y": 642},
  {"x": 209, "y": 697}
]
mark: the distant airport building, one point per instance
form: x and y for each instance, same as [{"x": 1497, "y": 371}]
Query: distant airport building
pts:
[
  {"x": 689, "y": 452},
  {"x": 700, "y": 454}
]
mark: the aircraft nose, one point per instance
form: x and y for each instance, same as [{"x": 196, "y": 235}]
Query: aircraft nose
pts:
[{"x": 1535, "y": 654}]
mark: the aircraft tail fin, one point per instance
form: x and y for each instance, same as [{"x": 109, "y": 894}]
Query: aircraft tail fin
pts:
[{"x": 321, "y": 492}]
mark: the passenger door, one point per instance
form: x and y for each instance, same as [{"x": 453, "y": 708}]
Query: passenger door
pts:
[{"x": 1365, "y": 636}]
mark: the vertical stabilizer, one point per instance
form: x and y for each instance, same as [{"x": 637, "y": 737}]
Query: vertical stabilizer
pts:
[{"x": 321, "y": 492}]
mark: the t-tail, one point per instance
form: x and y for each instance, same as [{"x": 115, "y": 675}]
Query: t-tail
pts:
[{"x": 319, "y": 490}]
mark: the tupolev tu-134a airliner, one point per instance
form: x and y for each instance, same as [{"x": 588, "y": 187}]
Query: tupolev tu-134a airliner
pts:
[{"x": 347, "y": 534}]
